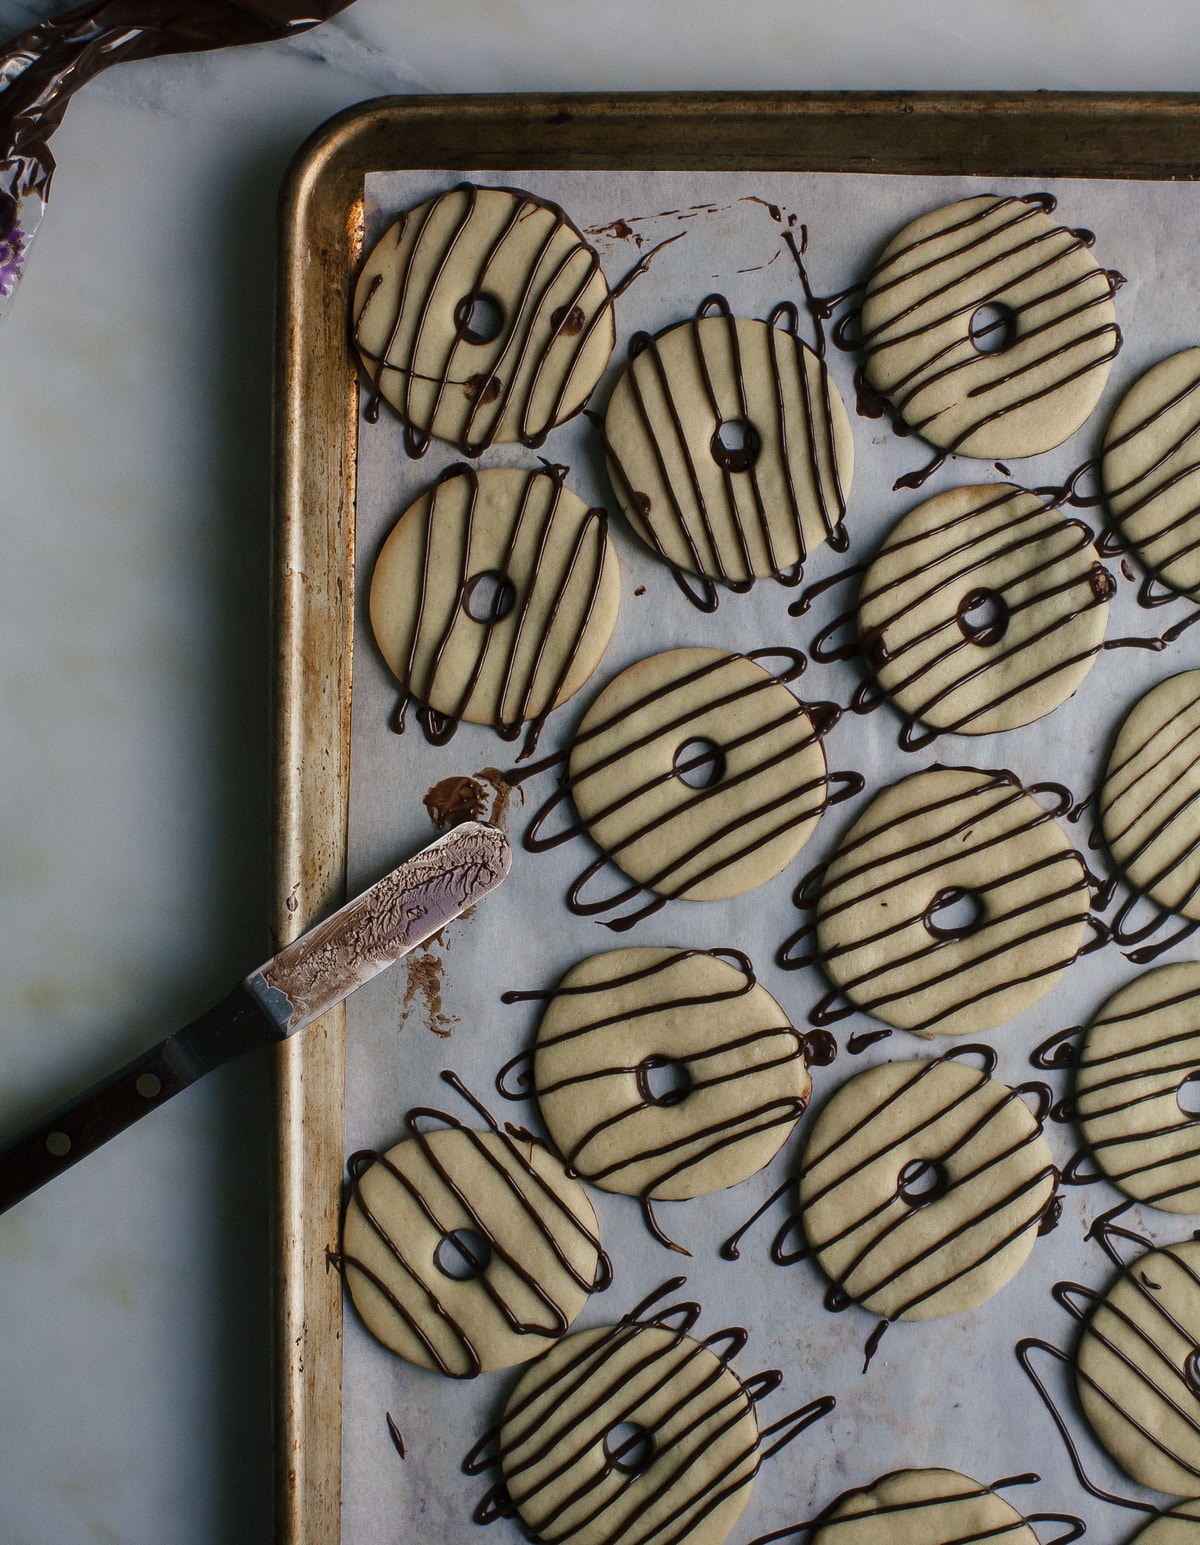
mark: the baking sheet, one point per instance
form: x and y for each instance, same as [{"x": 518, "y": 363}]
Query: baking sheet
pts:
[{"x": 946, "y": 1392}]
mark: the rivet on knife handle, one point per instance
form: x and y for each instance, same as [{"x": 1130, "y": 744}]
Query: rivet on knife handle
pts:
[{"x": 292, "y": 989}]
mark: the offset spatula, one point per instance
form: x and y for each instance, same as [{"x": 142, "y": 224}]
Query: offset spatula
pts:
[{"x": 305, "y": 979}]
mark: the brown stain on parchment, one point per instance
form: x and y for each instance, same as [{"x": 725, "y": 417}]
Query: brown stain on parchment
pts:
[
  {"x": 485, "y": 796},
  {"x": 423, "y": 993}
]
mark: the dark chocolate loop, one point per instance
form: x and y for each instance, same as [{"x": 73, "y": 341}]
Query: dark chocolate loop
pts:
[
  {"x": 1042, "y": 1093},
  {"x": 794, "y": 1423},
  {"x": 1057, "y": 1050},
  {"x": 523, "y": 1091},
  {"x": 826, "y": 653},
  {"x": 1024, "y": 1349},
  {"x": 797, "y": 657},
  {"x": 759, "y": 1385},
  {"x": 1123, "y": 935},
  {"x": 707, "y": 598},
  {"x": 868, "y": 696},
  {"x": 808, "y": 890},
  {"x": 1061, "y": 796},
  {"x": 1101, "y": 935},
  {"x": 1065, "y": 1294},
  {"x": 852, "y": 783},
  {"x": 533, "y": 841},
  {"x": 1151, "y": 952},
  {"x": 824, "y": 1013},
  {"x": 1075, "y": 1526},
  {"x": 913, "y": 738},
  {"x": 988, "y": 1056},
  {"x": 779, "y": 1253},
  {"x": 840, "y": 332}
]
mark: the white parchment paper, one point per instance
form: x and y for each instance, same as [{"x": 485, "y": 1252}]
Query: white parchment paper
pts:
[{"x": 943, "y": 1392}]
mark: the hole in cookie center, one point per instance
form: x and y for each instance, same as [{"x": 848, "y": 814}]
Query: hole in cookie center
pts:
[
  {"x": 489, "y": 597},
  {"x": 463, "y": 1255},
  {"x": 478, "y": 318},
  {"x": 735, "y": 445},
  {"x": 1191, "y": 1371},
  {"x": 983, "y": 617},
  {"x": 699, "y": 763},
  {"x": 993, "y": 328},
  {"x": 953, "y": 913},
  {"x": 628, "y": 1447},
  {"x": 1188, "y": 1096},
  {"x": 663, "y": 1081},
  {"x": 922, "y": 1181}
]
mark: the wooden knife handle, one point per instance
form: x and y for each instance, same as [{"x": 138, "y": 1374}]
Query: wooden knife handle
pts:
[{"x": 81, "y": 1125}]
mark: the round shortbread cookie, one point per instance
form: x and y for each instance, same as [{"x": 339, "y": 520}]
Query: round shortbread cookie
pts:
[
  {"x": 1179, "y": 1526},
  {"x": 495, "y": 595},
  {"x": 468, "y": 1251},
  {"x": 695, "y": 1024},
  {"x": 1151, "y": 470},
  {"x": 1136, "y": 1369},
  {"x": 702, "y": 714},
  {"x": 1150, "y": 798},
  {"x": 753, "y": 498},
  {"x": 1141, "y": 1049},
  {"x": 922, "y": 1186},
  {"x": 482, "y": 315},
  {"x": 983, "y": 610},
  {"x": 681, "y": 1450},
  {"x": 930, "y": 343},
  {"x": 922, "y": 1507},
  {"x": 954, "y": 903}
]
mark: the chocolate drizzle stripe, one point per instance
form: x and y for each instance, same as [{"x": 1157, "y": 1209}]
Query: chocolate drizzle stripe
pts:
[
  {"x": 1023, "y": 1349},
  {"x": 1040, "y": 570},
  {"x": 993, "y": 232},
  {"x": 759, "y": 1069},
  {"x": 977, "y": 1219},
  {"x": 556, "y": 270},
  {"x": 538, "y": 1454},
  {"x": 1144, "y": 1291},
  {"x": 962, "y": 833},
  {"x": 1164, "y": 821},
  {"x": 565, "y": 589},
  {"x": 762, "y": 819},
  {"x": 879, "y": 1511},
  {"x": 1131, "y": 1143},
  {"x": 737, "y": 538},
  {"x": 1164, "y": 538},
  {"x": 544, "y": 1214}
]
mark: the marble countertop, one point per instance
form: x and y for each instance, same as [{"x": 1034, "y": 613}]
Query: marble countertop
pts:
[{"x": 135, "y": 373}]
